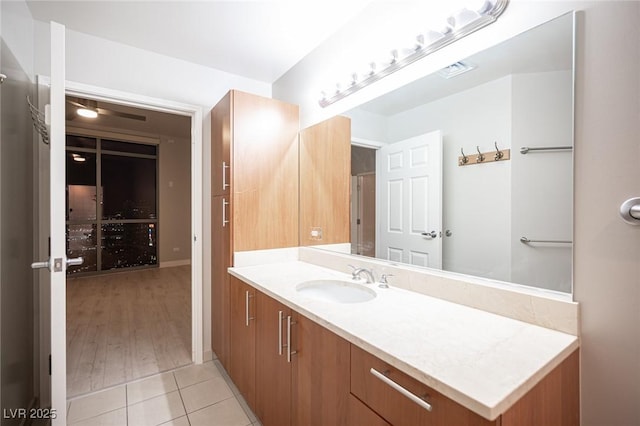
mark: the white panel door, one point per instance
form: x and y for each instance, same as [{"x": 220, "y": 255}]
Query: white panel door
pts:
[
  {"x": 409, "y": 201},
  {"x": 57, "y": 261}
]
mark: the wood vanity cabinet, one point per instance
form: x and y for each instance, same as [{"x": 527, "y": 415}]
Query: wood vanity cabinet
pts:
[
  {"x": 254, "y": 168},
  {"x": 309, "y": 386},
  {"x": 554, "y": 401},
  {"x": 395, "y": 407}
]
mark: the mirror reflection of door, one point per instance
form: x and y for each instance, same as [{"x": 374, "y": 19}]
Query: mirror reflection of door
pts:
[{"x": 409, "y": 203}]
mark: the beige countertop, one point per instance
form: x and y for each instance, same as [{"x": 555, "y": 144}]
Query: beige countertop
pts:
[{"x": 483, "y": 361}]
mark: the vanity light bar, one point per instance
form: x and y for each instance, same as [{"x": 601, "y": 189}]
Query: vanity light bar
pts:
[{"x": 487, "y": 14}]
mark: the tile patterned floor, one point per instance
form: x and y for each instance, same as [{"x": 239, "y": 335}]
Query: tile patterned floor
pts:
[{"x": 190, "y": 396}]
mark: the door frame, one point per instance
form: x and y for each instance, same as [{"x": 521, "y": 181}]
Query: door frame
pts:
[{"x": 195, "y": 113}]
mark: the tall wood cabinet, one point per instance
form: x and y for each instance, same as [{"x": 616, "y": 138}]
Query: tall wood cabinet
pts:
[{"x": 254, "y": 168}]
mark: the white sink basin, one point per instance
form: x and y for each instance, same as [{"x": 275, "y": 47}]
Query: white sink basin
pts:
[{"x": 336, "y": 291}]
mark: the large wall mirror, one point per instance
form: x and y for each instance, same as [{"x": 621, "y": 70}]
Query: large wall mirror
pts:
[{"x": 416, "y": 200}]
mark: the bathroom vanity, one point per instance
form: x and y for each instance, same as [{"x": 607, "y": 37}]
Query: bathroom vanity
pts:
[{"x": 399, "y": 358}]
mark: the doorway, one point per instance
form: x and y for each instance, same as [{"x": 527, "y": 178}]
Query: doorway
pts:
[
  {"x": 363, "y": 201},
  {"x": 157, "y": 307}
]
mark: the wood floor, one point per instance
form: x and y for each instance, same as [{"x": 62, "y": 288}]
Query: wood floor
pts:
[{"x": 126, "y": 326}]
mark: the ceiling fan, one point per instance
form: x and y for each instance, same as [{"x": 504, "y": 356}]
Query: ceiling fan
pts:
[{"x": 89, "y": 108}]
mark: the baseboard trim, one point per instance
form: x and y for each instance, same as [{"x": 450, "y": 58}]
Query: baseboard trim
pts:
[
  {"x": 172, "y": 263},
  {"x": 207, "y": 356}
]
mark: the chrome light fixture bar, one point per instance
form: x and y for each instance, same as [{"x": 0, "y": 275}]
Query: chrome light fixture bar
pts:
[{"x": 487, "y": 13}]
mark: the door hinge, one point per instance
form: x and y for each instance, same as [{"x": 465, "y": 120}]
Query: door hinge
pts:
[
  {"x": 358, "y": 222},
  {"x": 49, "y": 364},
  {"x": 195, "y": 238}
]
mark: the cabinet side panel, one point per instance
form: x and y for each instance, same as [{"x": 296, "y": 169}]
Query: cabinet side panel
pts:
[
  {"x": 325, "y": 179},
  {"x": 265, "y": 173},
  {"x": 555, "y": 401}
]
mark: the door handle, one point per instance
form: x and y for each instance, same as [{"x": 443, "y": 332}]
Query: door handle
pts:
[
  {"x": 431, "y": 234},
  {"x": 56, "y": 265},
  {"x": 630, "y": 211}
]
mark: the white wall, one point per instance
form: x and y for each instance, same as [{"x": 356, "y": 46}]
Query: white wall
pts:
[
  {"x": 106, "y": 64},
  {"x": 607, "y": 251},
  {"x": 542, "y": 184},
  {"x": 174, "y": 184}
]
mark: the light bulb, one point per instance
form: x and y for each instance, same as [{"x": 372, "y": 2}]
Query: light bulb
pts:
[{"x": 87, "y": 113}]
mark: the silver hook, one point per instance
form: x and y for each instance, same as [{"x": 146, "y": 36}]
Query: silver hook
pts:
[
  {"x": 464, "y": 159},
  {"x": 2, "y": 78},
  {"x": 499, "y": 154},
  {"x": 480, "y": 157}
]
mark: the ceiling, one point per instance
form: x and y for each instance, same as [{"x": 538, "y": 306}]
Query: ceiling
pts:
[
  {"x": 155, "y": 123},
  {"x": 254, "y": 39}
]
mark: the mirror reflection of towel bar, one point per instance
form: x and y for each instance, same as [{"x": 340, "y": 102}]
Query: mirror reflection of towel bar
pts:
[
  {"x": 526, "y": 149},
  {"x": 525, "y": 240}
]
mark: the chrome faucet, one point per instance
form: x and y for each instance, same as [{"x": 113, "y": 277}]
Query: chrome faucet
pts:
[{"x": 368, "y": 273}]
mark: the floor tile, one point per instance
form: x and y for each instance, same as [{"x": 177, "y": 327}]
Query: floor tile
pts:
[
  {"x": 225, "y": 413},
  {"x": 96, "y": 404},
  {"x": 157, "y": 410},
  {"x": 206, "y": 393},
  {"x": 148, "y": 388},
  {"x": 193, "y": 374},
  {"x": 112, "y": 418},
  {"x": 181, "y": 421}
]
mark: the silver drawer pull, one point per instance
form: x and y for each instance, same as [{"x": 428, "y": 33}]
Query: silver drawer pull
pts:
[
  {"x": 225, "y": 185},
  {"x": 289, "y": 351},
  {"x": 280, "y": 345},
  {"x": 247, "y": 317},
  {"x": 421, "y": 402}
]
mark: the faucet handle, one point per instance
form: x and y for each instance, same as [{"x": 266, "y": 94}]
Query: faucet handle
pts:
[
  {"x": 383, "y": 280},
  {"x": 354, "y": 272}
]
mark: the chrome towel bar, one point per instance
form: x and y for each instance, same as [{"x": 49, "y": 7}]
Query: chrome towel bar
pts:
[
  {"x": 526, "y": 240},
  {"x": 526, "y": 149}
]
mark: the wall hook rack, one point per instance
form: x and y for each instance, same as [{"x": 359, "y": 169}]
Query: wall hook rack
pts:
[
  {"x": 499, "y": 154},
  {"x": 464, "y": 159},
  {"x": 484, "y": 157}
]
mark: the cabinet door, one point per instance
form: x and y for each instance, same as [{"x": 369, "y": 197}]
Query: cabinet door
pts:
[
  {"x": 220, "y": 261},
  {"x": 320, "y": 379},
  {"x": 265, "y": 173},
  {"x": 273, "y": 371},
  {"x": 242, "y": 354},
  {"x": 221, "y": 136}
]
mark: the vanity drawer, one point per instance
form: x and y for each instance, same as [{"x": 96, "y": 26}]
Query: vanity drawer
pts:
[{"x": 384, "y": 389}]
